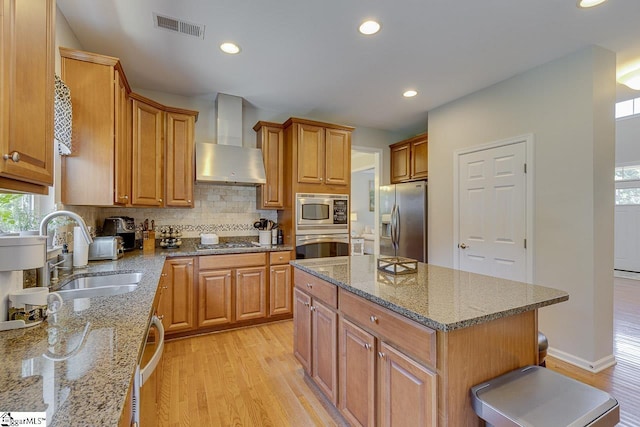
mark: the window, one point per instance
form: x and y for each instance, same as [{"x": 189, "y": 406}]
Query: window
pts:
[
  {"x": 627, "y": 185},
  {"x": 20, "y": 212},
  {"x": 627, "y": 108}
]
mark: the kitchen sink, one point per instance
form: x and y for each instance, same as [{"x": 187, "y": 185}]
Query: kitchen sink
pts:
[{"x": 100, "y": 286}]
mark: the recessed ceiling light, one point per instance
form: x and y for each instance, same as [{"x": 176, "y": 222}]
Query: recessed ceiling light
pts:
[
  {"x": 369, "y": 27},
  {"x": 230, "y": 48},
  {"x": 589, "y": 3},
  {"x": 410, "y": 93}
]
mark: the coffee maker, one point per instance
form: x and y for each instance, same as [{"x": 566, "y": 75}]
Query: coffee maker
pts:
[
  {"x": 17, "y": 253},
  {"x": 122, "y": 226}
]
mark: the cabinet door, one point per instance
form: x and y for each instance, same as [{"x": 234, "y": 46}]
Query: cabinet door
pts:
[
  {"x": 251, "y": 293},
  {"x": 147, "y": 154},
  {"x": 179, "y": 160},
  {"x": 280, "y": 290},
  {"x": 214, "y": 298},
  {"x": 27, "y": 90},
  {"x": 357, "y": 374},
  {"x": 419, "y": 159},
  {"x": 407, "y": 390},
  {"x": 337, "y": 157},
  {"x": 271, "y": 141},
  {"x": 178, "y": 299},
  {"x": 400, "y": 163},
  {"x": 310, "y": 154},
  {"x": 122, "y": 117},
  {"x": 302, "y": 328},
  {"x": 324, "y": 337}
]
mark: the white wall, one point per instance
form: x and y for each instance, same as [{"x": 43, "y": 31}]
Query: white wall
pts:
[
  {"x": 568, "y": 106},
  {"x": 628, "y": 140}
]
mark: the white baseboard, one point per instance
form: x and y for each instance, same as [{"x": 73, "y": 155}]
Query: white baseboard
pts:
[{"x": 594, "y": 367}]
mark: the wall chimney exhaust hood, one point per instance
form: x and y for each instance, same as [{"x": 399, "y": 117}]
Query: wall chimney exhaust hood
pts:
[{"x": 228, "y": 162}]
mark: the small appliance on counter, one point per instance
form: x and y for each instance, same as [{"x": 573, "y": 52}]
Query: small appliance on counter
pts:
[
  {"x": 106, "y": 247},
  {"x": 122, "y": 226}
]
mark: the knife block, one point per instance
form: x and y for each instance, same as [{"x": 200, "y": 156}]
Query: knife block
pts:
[{"x": 148, "y": 241}]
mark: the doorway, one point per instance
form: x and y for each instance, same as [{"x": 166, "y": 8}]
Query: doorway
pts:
[
  {"x": 493, "y": 209},
  {"x": 365, "y": 181}
]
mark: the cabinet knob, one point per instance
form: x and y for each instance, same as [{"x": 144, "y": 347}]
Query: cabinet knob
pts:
[
  {"x": 160, "y": 200},
  {"x": 312, "y": 308},
  {"x": 164, "y": 274},
  {"x": 306, "y": 304},
  {"x": 188, "y": 201},
  {"x": 15, "y": 157},
  {"x": 367, "y": 346},
  {"x": 281, "y": 258},
  {"x": 373, "y": 319},
  {"x": 125, "y": 197},
  {"x": 161, "y": 317},
  {"x": 381, "y": 355},
  {"x": 309, "y": 285},
  {"x": 165, "y": 287}
]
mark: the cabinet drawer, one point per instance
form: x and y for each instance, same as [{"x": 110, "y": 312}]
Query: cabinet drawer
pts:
[
  {"x": 417, "y": 340},
  {"x": 214, "y": 262},
  {"x": 317, "y": 288},
  {"x": 279, "y": 257}
]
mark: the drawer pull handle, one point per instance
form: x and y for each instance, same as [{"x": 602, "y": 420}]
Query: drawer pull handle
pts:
[
  {"x": 367, "y": 346},
  {"x": 373, "y": 319},
  {"x": 165, "y": 287},
  {"x": 281, "y": 258},
  {"x": 381, "y": 355}
]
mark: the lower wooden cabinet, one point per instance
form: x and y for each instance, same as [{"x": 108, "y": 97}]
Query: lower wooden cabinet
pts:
[
  {"x": 214, "y": 298},
  {"x": 177, "y": 305},
  {"x": 280, "y": 290},
  {"x": 251, "y": 293},
  {"x": 315, "y": 342}
]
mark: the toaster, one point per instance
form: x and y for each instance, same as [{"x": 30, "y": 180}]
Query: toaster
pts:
[{"x": 106, "y": 247}]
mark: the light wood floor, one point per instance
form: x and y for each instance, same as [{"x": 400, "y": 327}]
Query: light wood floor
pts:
[{"x": 249, "y": 377}]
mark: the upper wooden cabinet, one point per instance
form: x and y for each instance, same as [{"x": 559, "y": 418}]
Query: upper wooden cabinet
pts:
[
  {"x": 320, "y": 156},
  {"x": 147, "y": 152},
  {"x": 409, "y": 159},
  {"x": 179, "y": 159},
  {"x": 128, "y": 150},
  {"x": 270, "y": 138},
  {"x": 26, "y": 92}
]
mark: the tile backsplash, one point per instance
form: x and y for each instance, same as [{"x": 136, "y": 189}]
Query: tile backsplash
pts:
[{"x": 227, "y": 210}]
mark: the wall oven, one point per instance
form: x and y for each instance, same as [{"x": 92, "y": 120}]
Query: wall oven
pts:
[
  {"x": 322, "y": 213},
  {"x": 322, "y": 225}
]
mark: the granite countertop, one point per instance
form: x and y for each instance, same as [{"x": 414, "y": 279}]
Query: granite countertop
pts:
[
  {"x": 78, "y": 364},
  {"x": 440, "y": 298}
]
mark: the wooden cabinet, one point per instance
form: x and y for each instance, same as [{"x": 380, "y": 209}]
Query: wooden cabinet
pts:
[
  {"x": 320, "y": 154},
  {"x": 409, "y": 159},
  {"x": 280, "y": 284},
  {"x": 127, "y": 149},
  {"x": 178, "y": 299},
  {"x": 316, "y": 333},
  {"x": 26, "y": 92},
  {"x": 231, "y": 289},
  {"x": 270, "y": 139},
  {"x": 179, "y": 159},
  {"x": 147, "y": 152},
  {"x": 357, "y": 374}
]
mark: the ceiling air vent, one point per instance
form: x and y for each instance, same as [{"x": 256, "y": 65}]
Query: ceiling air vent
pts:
[{"x": 178, "y": 26}]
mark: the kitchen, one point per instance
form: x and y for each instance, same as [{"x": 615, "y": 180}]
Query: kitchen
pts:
[{"x": 233, "y": 217}]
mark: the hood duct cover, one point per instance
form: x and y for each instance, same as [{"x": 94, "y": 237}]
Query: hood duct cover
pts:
[{"x": 229, "y": 164}]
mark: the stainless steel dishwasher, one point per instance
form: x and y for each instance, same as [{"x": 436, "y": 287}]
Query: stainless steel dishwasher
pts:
[{"x": 145, "y": 382}]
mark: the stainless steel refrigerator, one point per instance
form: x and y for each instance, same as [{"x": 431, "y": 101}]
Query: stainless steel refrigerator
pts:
[{"x": 403, "y": 220}]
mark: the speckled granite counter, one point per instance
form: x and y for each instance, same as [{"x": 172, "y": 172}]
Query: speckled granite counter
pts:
[
  {"x": 78, "y": 366},
  {"x": 437, "y": 297}
]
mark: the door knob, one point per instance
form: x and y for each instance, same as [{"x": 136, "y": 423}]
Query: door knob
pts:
[{"x": 462, "y": 246}]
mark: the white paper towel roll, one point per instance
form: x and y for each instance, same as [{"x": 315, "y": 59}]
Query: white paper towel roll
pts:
[{"x": 80, "y": 249}]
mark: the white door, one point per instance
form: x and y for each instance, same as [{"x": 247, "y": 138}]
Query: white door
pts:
[{"x": 492, "y": 212}]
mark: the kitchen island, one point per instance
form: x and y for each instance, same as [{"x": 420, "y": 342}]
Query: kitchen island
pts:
[
  {"x": 78, "y": 365},
  {"x": 423, "y": 338}
]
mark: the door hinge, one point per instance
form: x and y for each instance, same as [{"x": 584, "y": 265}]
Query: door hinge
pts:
[
  {"x": 525, "y": 243},
  {"x": 525, "y": 168}
]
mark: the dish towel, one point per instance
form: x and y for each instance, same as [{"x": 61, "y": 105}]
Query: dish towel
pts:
[{"x": 62, "y": 117}]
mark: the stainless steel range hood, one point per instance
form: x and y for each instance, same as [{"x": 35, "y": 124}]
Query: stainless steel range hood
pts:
[{"x": 228, "y": 162}]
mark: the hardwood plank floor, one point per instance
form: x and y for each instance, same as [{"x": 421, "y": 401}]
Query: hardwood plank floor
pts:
[
  {"x": 246, "y": 377},
  {"x": 249, "y": 377},
  {"x": 622, "y": 381}
]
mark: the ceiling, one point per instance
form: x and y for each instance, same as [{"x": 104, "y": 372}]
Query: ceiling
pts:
[{"x": 307, "y": 57}]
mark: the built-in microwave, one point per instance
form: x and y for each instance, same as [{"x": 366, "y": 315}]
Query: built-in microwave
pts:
[{"x": 322, "y": 213}]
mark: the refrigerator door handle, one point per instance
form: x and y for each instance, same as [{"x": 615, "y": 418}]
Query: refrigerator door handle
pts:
[
  {"x": 398, "y": 230},
  {"x": 394, "y": 227}
]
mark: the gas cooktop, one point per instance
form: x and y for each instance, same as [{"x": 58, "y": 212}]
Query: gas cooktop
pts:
[{"x": 226, "y": 245}]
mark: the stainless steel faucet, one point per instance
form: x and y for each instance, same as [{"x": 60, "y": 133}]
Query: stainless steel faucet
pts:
[{"x": 45, "y": 272}]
